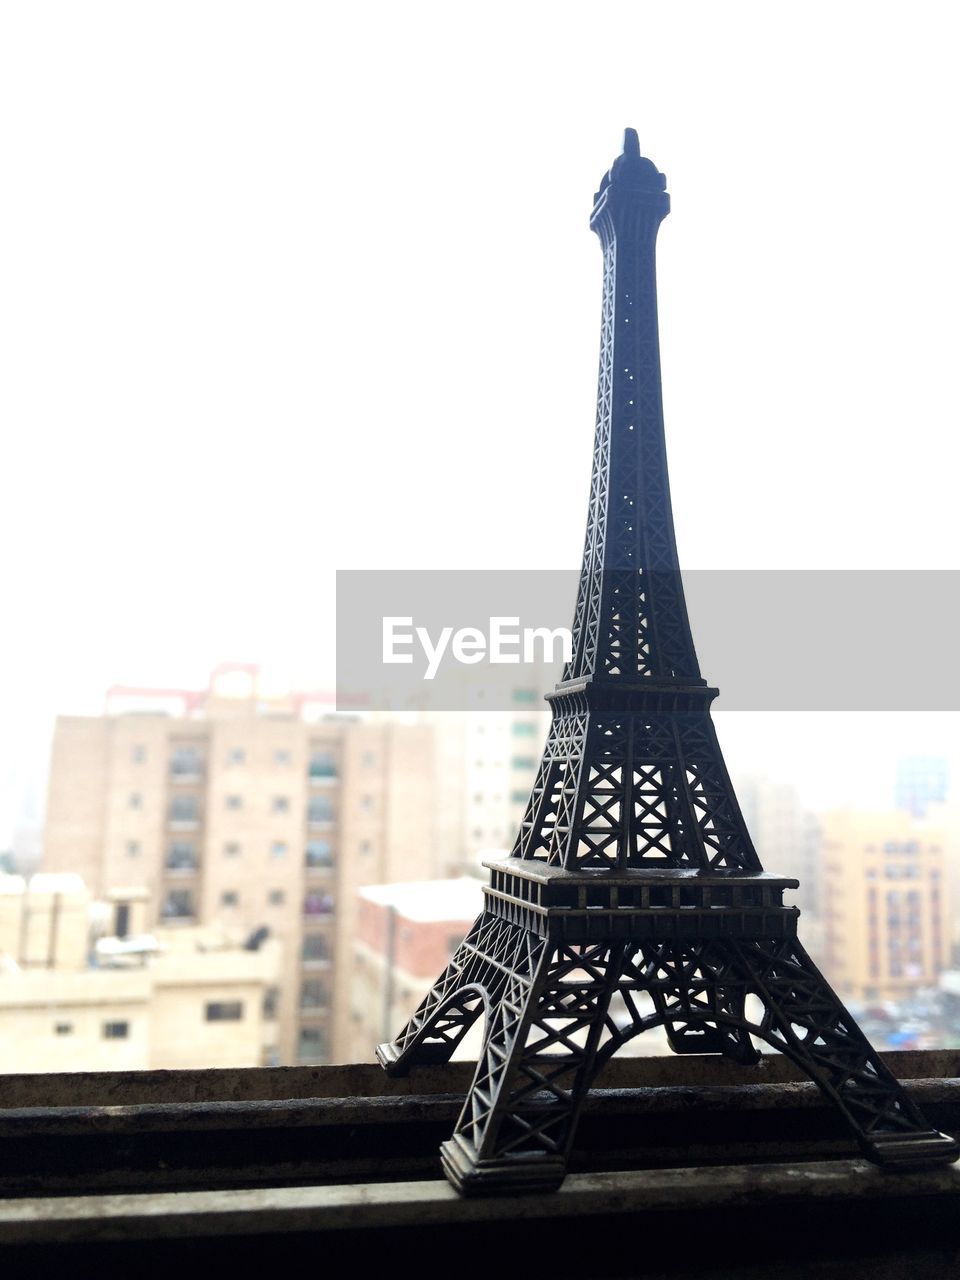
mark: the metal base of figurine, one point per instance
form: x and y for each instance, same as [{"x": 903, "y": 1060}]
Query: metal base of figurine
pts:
[
  {"x": 507, "y": 1176},
  {"x": 906, "y": 1151},
  {"x": 394, "y": 1064}
]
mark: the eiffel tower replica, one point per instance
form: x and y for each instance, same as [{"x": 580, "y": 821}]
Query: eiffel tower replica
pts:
[{"x": 634, "y": 897}]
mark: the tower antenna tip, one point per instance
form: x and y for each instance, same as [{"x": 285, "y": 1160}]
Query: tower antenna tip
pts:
[{"x": 631, "y": 142}]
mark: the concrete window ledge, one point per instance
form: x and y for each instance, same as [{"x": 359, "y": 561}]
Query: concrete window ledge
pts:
[
  {"x": 687, "y": 1166},
  {"x": 641, "y": 1193}
]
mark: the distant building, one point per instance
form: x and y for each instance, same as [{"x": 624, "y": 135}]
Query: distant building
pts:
[
  {"x": 76, "y": 998},
  {"x": 886, "y": 906},
  {"x": 946, "y": 818},
  {"x": 921, "y": 781},
  {"x": 490, "y": 763},
  {"x": 786, "y": 835},
  {"x": 406, "y": 934},
  {"x": 234, "y": 808}
]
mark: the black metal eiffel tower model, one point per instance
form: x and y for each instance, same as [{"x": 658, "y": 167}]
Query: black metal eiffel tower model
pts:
[{"x": 634, "y": 896}]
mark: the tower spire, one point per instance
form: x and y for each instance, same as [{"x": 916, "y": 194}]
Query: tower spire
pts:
[{"x": 630, "y": 620}]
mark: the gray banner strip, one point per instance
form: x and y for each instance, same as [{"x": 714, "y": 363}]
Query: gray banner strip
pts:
[{"x": 792, "y": 640}]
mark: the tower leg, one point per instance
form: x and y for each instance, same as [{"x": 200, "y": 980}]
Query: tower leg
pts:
[
  {"x": 704, "y": 987},
  {"x": 803, "y": 1018},
  {"x": 539, "y": 1054},
  {"x": 474, "y": 978}
]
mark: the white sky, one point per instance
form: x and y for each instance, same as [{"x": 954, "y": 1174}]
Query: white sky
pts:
[{"x": 286, "y": 288}]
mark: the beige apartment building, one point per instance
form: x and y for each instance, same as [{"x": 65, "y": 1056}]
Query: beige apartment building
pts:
[
  {"x": 491, "y": 760},
  {"x": 75, "y": 995},
  {"x": 885, "y": 903},
  {"x": 249, "y": 812}
]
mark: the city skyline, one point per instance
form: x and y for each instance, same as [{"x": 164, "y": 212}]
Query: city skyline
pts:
[
  {"x": 180, "y": 311},
  {"x": 835, "y": 759}
]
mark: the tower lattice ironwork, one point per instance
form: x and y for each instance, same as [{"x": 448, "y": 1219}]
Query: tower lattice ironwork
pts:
[{"x": 634, "y": 897}]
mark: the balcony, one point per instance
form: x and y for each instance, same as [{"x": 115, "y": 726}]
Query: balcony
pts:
[
  {"x": 182, "y": 857},
  {"x": 316, "y": 952},
  {"x": 186, "y": 777},
  {"x": 178, "y": 907},
  {"x": 187, "y": 765},
  {"x": 318, "y": 904},
  {"x": 320, "y": 816},
  {"x": 314, "y": 999},
  {"x": 322, "y": 771},
  {"x": 318, "y": 856},
  {"x": 184, "y": 813},
  {"x": 181, "y": 868}
]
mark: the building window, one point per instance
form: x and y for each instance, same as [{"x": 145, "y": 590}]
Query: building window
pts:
[
  {"x": 319, "y": 853},
  {"x": 368, "y": 759},
  {"x": 322, "y": 765},
  {"x": 133, "y": 848},
  {"x": 184, "y": 809},
  {"x": 116, "y": 1030},
  {"x": 525, "y": 696},
  {"x": 366, "y": 804},
  {"x": 314, "y": 994},
  {"x": 366, "y": 846},
  {"x": 63, "y": 1028},
  {"x": 316, "y": 948},
  {"x": 518, "y": 797},
  {"x": 224, "y": 1011},
  {"x": 178, "y": 905},
  {"x": 138, "y": 753},
  {"x": 281, "y": 758},
  {"x": 182, "y": 856},
  {"x": 271, "y": 1004},
  {"x": 312, "y": 1048},
  {"x": 278, "y": 849},
  {"x": 276, "y": 898},
  {"x": 186, "y": 762},
  {"x": 236, "y": 755},
  {"x": 318, "y": 903},
  {"x": 229, "y": 898},
  {"x": 523, "y": 729},
  {"x": 234, "y": 802},
  {"x": 523, "y": 762},
  {"x": 320, "y": 809},
  {"x": 281, "y": 804},
  {"x": 231, "y": 849},
  {"x": 135, "y": 800}
]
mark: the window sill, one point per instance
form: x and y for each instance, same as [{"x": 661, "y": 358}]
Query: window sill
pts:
[{"x": 188, "y": 1157}]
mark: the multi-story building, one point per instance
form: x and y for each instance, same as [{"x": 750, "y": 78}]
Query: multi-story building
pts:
[
  {"x": 787, "y": 838},
  {"x": 253, "y": 813},
  {"x": 406, "y": 934},
  {"x": 493, "y": 758},
  {"x": 83, "y": 988},
  {"x": 885, "y": 903}
]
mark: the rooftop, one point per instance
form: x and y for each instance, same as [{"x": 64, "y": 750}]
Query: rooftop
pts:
[{"x": 422, "y": 901}]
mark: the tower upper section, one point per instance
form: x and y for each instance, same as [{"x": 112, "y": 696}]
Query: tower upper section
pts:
[{"x": 631, "y": 618}]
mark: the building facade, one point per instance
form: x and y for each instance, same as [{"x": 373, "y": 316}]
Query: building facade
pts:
[
  {"x": 249, "y": 813},
  {"x": 83, "y": 988},
  {"x": 405, "y": 935},
  {"x": 886, "y": 905},
  {"x": 787, "y": 837}
]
